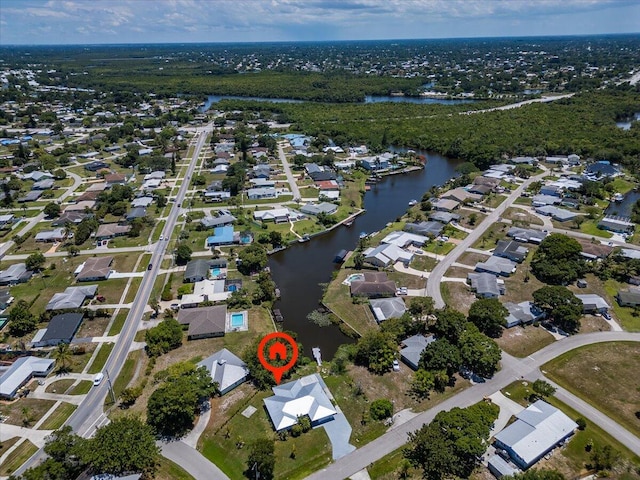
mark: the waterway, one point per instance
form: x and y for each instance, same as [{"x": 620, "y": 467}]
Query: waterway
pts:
[
  {"x": 300, "y": 269},
  {"x": 211, "y": 99},
  {"x": 624, "y": 207},
  {"x": 626, "y": 124}
]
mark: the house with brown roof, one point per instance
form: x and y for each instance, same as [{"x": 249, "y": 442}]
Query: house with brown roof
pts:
[
  {"x": 115, "y": 179},
  {"x": 461, "y": 195},
  {"x": 87, "y": 196},
  {"x": 112, "y": 230},
  {"x": 80, "y": 206},
  {"x": 594, "y": 251},
  {"x": 373, "y": 285},
  {"x": 205, "y": 322},
  {"x": 95, "y": 268}
]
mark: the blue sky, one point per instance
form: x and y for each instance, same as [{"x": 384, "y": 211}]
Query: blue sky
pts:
[{"x": 176, "y": 21}]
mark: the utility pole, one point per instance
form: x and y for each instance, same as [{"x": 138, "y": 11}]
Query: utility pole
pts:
[{"x": 113, "y": 396}]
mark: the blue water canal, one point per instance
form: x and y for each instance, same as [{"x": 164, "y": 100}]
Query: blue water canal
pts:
[{"x": 300, "y": 269}]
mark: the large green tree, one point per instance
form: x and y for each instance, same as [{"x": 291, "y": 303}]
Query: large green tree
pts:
[
  {"x": 252, "y": 259},
  {"x": 52, "y": 210},
  {"x": 450, "y": 324},
  {"x": 376, "y": 351},
  {"x": 537, "y": 474},
  {"x": 489, "y": 315},
  {"x": 557, "y": 260},
  {"x": 561, "y": 305},
  {"x": 452, "y": 444},
  {"x": 166, "y": 336},
  {"x": 441, "y": 355},
  {"x": 479, "y": 353},
  {"x": 35, "y": 261},
  {"x": 183, "y": 253},
  {"x": 261, "y": 460},
  {"x": 21, "y": 320}
]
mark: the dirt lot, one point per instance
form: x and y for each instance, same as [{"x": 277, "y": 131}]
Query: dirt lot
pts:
[
  {"x": 93, "y": 327},
  {"x": 459, "y": 295},
  {"x": 521, "y": 218},
  {"x": 591, "y": 323},
  {"x": 471, "y": 258},
  {"x": 523, "y": 341},
  {"x": 33, "y": 408}
]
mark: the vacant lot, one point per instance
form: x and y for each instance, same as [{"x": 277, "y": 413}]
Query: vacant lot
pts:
[
  {"x": 25, "y": 411},
  {"x": 523, "y": 341},
  {"x": 458, "y": 295},
  {"x": 605, "y": 375},
  {"x": 521, "y": 218}
]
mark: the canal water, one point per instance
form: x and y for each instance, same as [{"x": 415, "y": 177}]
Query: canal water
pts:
[
  {"x": 624, "y": 207},
  {"x": 626, "y": 124},
  {"x": 300, "y": 269}
]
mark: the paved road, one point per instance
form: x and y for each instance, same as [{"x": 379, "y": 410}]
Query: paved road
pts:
[
  {"x": 192, "y": 461},
  {"x": 89, "y": 415},
  {"x": 512, "y": 369},
  {"x": 521, "y": 104},
  {"x": 287, "y": 171},
  {"x": 433, "y": 283}
]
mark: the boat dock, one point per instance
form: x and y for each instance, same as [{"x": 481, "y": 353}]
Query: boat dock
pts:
[{"x": 316, "y": 355}]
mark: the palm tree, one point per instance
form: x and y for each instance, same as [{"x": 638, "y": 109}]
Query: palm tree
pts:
[{"x": 62, "y": 355}]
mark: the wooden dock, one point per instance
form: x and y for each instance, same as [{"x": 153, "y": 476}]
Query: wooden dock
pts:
[{"x": 316, "y": 355}]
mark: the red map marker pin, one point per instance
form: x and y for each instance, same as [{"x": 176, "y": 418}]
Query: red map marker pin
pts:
[{"x": 277, "y": 351}]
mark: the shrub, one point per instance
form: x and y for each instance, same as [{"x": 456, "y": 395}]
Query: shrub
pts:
[{"x": 381, "y": 409}]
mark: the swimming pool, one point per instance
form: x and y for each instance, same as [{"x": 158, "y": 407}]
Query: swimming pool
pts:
[
  {"x": 237, "y": 320},
  {"x": 352, "y": 278},
  {"x": 215, "y": 272}
]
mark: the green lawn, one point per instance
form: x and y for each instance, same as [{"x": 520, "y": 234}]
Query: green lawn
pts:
[
  {"x": 624, "y": 315},
  {"x": 623, "y": 186},
  {"x": 523, "y": 341},
  {"x": 167, "y": 470},
  {"x": 338, "y": 299},
  {"x": 590, "y": 227},
  {"x": 58, "y": 417},
  {"x": 18, "y": 457},
  {"x": 82, "y": 388},
  {"x": 118, "y": 323},
  {"x": 101, "y": 357},
  {"x": 126, "y": 374}
]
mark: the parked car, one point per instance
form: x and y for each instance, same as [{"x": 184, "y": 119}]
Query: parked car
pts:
[
  {"x": 606, "y": 315},
  {"x": 150, "y": 266},
  {"x": 97, "y": 379},
  {"x": 396, "y": 366}
]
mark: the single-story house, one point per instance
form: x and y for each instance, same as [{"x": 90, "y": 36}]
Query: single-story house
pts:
[
  {"x": 14, "y": 274},
  {"x": 374, "y": 285},
  {"x": 445, "y": 205},
  {"x": 317, "y": 208},
  {"x": 305, "y": 396},
  {"x": 74, "y": 217},
  {"x": 30, "y": 196},
  {"x": 277, "y": 215},
  {"x": 412, "y": 348},
  {"x": 6, "y": 220},
  {"x": 479, "y": 189},
  {"x": 115, "y": 179},
  {"x": 461, "y": 195},
  {"x": 594, "y": 251},
  {"x": 152, "y": 184},
  {"x": 511, "y": 249},
  {"x": 327, "y": 185},
  {"x": 375, "y": 163},
  {"x": 444, "y": 217},
  {"x": 499, "y": 467},
  {"x": 602, "y": 169},
  {"x": 523, "y": 160},
  {"x": 200, "y": 269},
  {"x": 496, "y": 266},
  {"x": 81, "y": 206},
  {"x": 385, "y": 308},
  {"x": 215, "y": 196},
  {"x": 386, "y": 254},
  {"x": 95, "y": 165},
  {"x": 61, "y": 329},
  {"x": 404, "y": 239},
  {"x": 489, "y": 182},
  {"x": 21, "y": 372},
  {"x": 205, "y": 322},
  {"x": 527, "y": 235},
  {"x": 214, "y": 290},
  {"x": 5, "y": 298},
  {"x": 260, "y": 193},
  {"x": 428, "y": 229},
  {"x": 592, "y": 303},
  {"x": 628, "y": 298},
  {"x": 550, "y": 190},
  {"x": 72, "y": 297},
  {"x": 536, "y": 431},
  {"x": 87, "y": 197},
  {"x": 95, "y": 268},
  {"x": 112, "y": 230},
  {"x": 541, "y": 200},
  {"x": 523, "y": 313},
  {"x": 616, "y": 224},
  {"x": 56, "y": 235},
  {"x": 157, "y": 175},
  {"x": 221, "y": 236},
  {"x": 36, "y": 175},
  {"x": 226, "y": 369},
  {"x": 141, "y": 202},
  {"x": 44, "y": 184},
  {"x": 262, "y": 182},
  {"x": 485, "y": 285},
  {"x": 559, "y": 214}
]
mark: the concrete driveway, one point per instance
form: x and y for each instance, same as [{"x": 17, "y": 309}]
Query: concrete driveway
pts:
[{"x": 339, "y": 431}]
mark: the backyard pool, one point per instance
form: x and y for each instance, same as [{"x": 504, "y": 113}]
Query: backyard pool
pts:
[
  {"x": 238, "y": 321},
  {"x": 215, "y": 272},
  {"x": 353, "y": 278}
]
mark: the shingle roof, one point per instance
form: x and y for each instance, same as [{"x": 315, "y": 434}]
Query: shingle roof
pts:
[
  {"x": 95, "y": 267},
  {"x": 226, "y": 369},
  {"x": 385, "y": 308},
  {"x": 62, "y": 328},
  {"x": 72, "y": 297},
  {"x": 413, "y": 347}
]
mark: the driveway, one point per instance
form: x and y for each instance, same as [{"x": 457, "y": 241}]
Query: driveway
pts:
[
  {"x": 339, "y": 431},
  {"x": 508, "y": 409}
]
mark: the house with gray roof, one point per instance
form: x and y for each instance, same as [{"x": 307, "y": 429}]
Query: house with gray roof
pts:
[
  {"x": 628, "y": 298},
  {"x": 60, "y": 329},
  {"x": 541, "y": 200},
  {"x": 112, "y": 230},
  {"x": 374, "y": 285},
  {"x": 592, "y": 303},
  {"x": 536, "y": 431},
  {"x": 445, "y": 205},
  {"x": 386, "y": 254},
  {"x": 305, "y": 396},
  {"x": 444, "y": 217},
  {"x": 21, "y": 372},
  {"x": 527, "y": 235},
  {"x": 385, "y": 308},
  {"x": 95, "y": 268},
  {"x": 430, "y": 229},
  {"x": 72, "y": 216},
  {"x": 317, "y": 208},
  {"x": 205, "y": 322},
  {"x": 31, "y": 196},
  {"x": 222, "y": 219},
  {"x": 14, "y": 274},
  {"x": 141, "y": 202},
  {"x": 617, "y": 224},
  {"x": 44, "y": 184},
  {"x": 523, "y": 313},
  {"x": 496, "y": 266},
  {"x": 485, "y": 285},
  {"x": 559, "y": 214},
  {"x": 201, "y": 269},
  {"x": 226, "y": 369},
  {"x": 56, "y": 235},
  {"x": 72, "y": 297},
  {"x": 412, "y": 348},
  {"x": 511, "y": 249}
]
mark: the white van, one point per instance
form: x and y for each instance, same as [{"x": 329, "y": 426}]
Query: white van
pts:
[{"x": 98, "y": 378}]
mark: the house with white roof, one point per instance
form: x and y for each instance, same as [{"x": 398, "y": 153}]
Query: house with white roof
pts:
[
  {"x": 226, "y": 369},
  {"x": 385, "y": 308},
  {"x": 386, "y": 254},
  {"x": 20, "y": 372},
  {"x": 537, "y": 430},
  {"x": 305, "y": 396},
  {"x": 404, "y": 239}
]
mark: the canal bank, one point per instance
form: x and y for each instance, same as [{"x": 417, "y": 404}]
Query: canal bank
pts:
[{"x": 300, "y": 270}]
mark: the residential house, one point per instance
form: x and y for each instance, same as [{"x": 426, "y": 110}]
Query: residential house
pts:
[
  {"x": 201, "y": 269},
  {"x": 30, "y": 196},
  {"x": 261, "y": 170},
  {"x": 111, "y": 230},
  {"x": 444, "y": 205},
  {"x": 496, "y": 266},
  {"x": 21, "y": 372},
  {"x": 616, "y": 224},
  {"x": 430, "y": 229},
  {"x": 213, "y": 290},
  {"x": 444, "y": 217},
  {"x": 205, "y": 322},
  {"x": 527, "y": 235},
  {"x": 375, "y": 164},
  {"x": 7, "y": 220},
  {"x": 412, "y": 348},
  {"x": 83, "y": 206},
  {"x": 87, "y": 197},
  {"x": 44, "y": 184},
  {"x": 94, "y": 269},
  {"x": 142, "y": 202},
  {"x": 556, "y": 213},
  {"x": 73, "y": 217},
  {"x": 523, "y": 313},
  {"x": 523, "y": 160},
  {"x": 489, "y": 182},
  {"x": 485, "y": 285},
  {"x": 60, "y": 329},
  {"x": 594, "y": 251},
  {"x": 115, "y": 179},
  {"x": 156, "y": 175},
  {"x": 511, "y": 249},
  {"x": 592, "y": 303},
  {"x": 14, "y": 274},
  {"x": 386, "y": 254},
  {"x": 136, "y": 212},
  {"x": 222, "y": 219},
  {"x": 374, "y": 285},
  {"x": 404, "y": 239},
  {"x": 305, "y": 396},
  {"x": 479, "y": 189},
  {"x": 461, "y": 195},
  {"x": 226, "y": 369},
  {"x": 602, "y": 169},
  {"x": 277, "y": 215},
  {"x": 386, "y": 308},
  {"x": 5, "y": 298},
  {"x": 542, "y": 200},
  {"x": 72, "y": 297},
  {"x": 215, "y": 196},
  {"x": 262, "y": 182},
  {"x": 536, "y": 431},
  {"x": 261, "y": 193},
  {"x": 95, "y": 165},
  {"x": 56, "y": 235},
  {"x": 225, "y": 236},
  {"x": 318, "y": 208},
  {"x": 628, "y": 298}
]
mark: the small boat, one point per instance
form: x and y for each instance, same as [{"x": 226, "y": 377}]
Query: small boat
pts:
[
  {"x": 305, "y": 238},
  {"x": 317, "y": 355},
  {"x": 618, "y": 197},
  {"x": 340, "y": 256},
  {"x": 363, "y": 234},
  {"x": 413, "y": 202},
  {"x": 277, "y": 315},
  {"x": 349, "y": 223},
  {"x": 277, "y": 292}
]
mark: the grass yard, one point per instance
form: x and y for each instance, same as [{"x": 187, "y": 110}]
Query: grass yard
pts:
[
  {"x": 406, "y": 280},
  {"x": 521, "y": 218},
  {"x": 82, "y": 388},
  {"x": 572, "y": 459},
  {"x": 101, "y": 357},
  {"x": 14, "y": 412},
  {"x": 118, "y": 323},
  {"x": 125, "y": 263},
  {"x": 493, "y": 201},
  {"x": 606, "y": 376},
  {"x": 125, "y": 376},
  {"x": 134, "y": 286},
  {"x": 60, "y": 386},
  {"x": 58, "y": 417},
  {"x": 623, "y": 186},
  {"x": 522, "y": 341},
  {"x": 439, "y": 248},
  {"x": 489, "y": 239},
  {"x": 423, "y": 263},
  {"x": 590, "y": 227},
  {"x": 167, "y": 470},
  {"x": 458, "y": 295},
  {"x": 387, "y": 468},
  {"x": 625, "y": 315},
  {"x": 93, "y": 327},
  {"x": 338, "y": 299},
  {"x": 17, "y": 458}
]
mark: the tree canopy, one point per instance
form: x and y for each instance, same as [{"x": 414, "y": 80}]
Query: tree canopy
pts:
[
  {"x": 489, "y": 315},
  {"x": 261, "y": 460},
  {"x": 557, "y": 260},
  {"x": 166, "y": 336},
  {"x": 561, "y": 305},
  {"x": 376, "y": 351},
  {"x": 252, "y": 259},
  {"x": 21, "y": 320}
]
